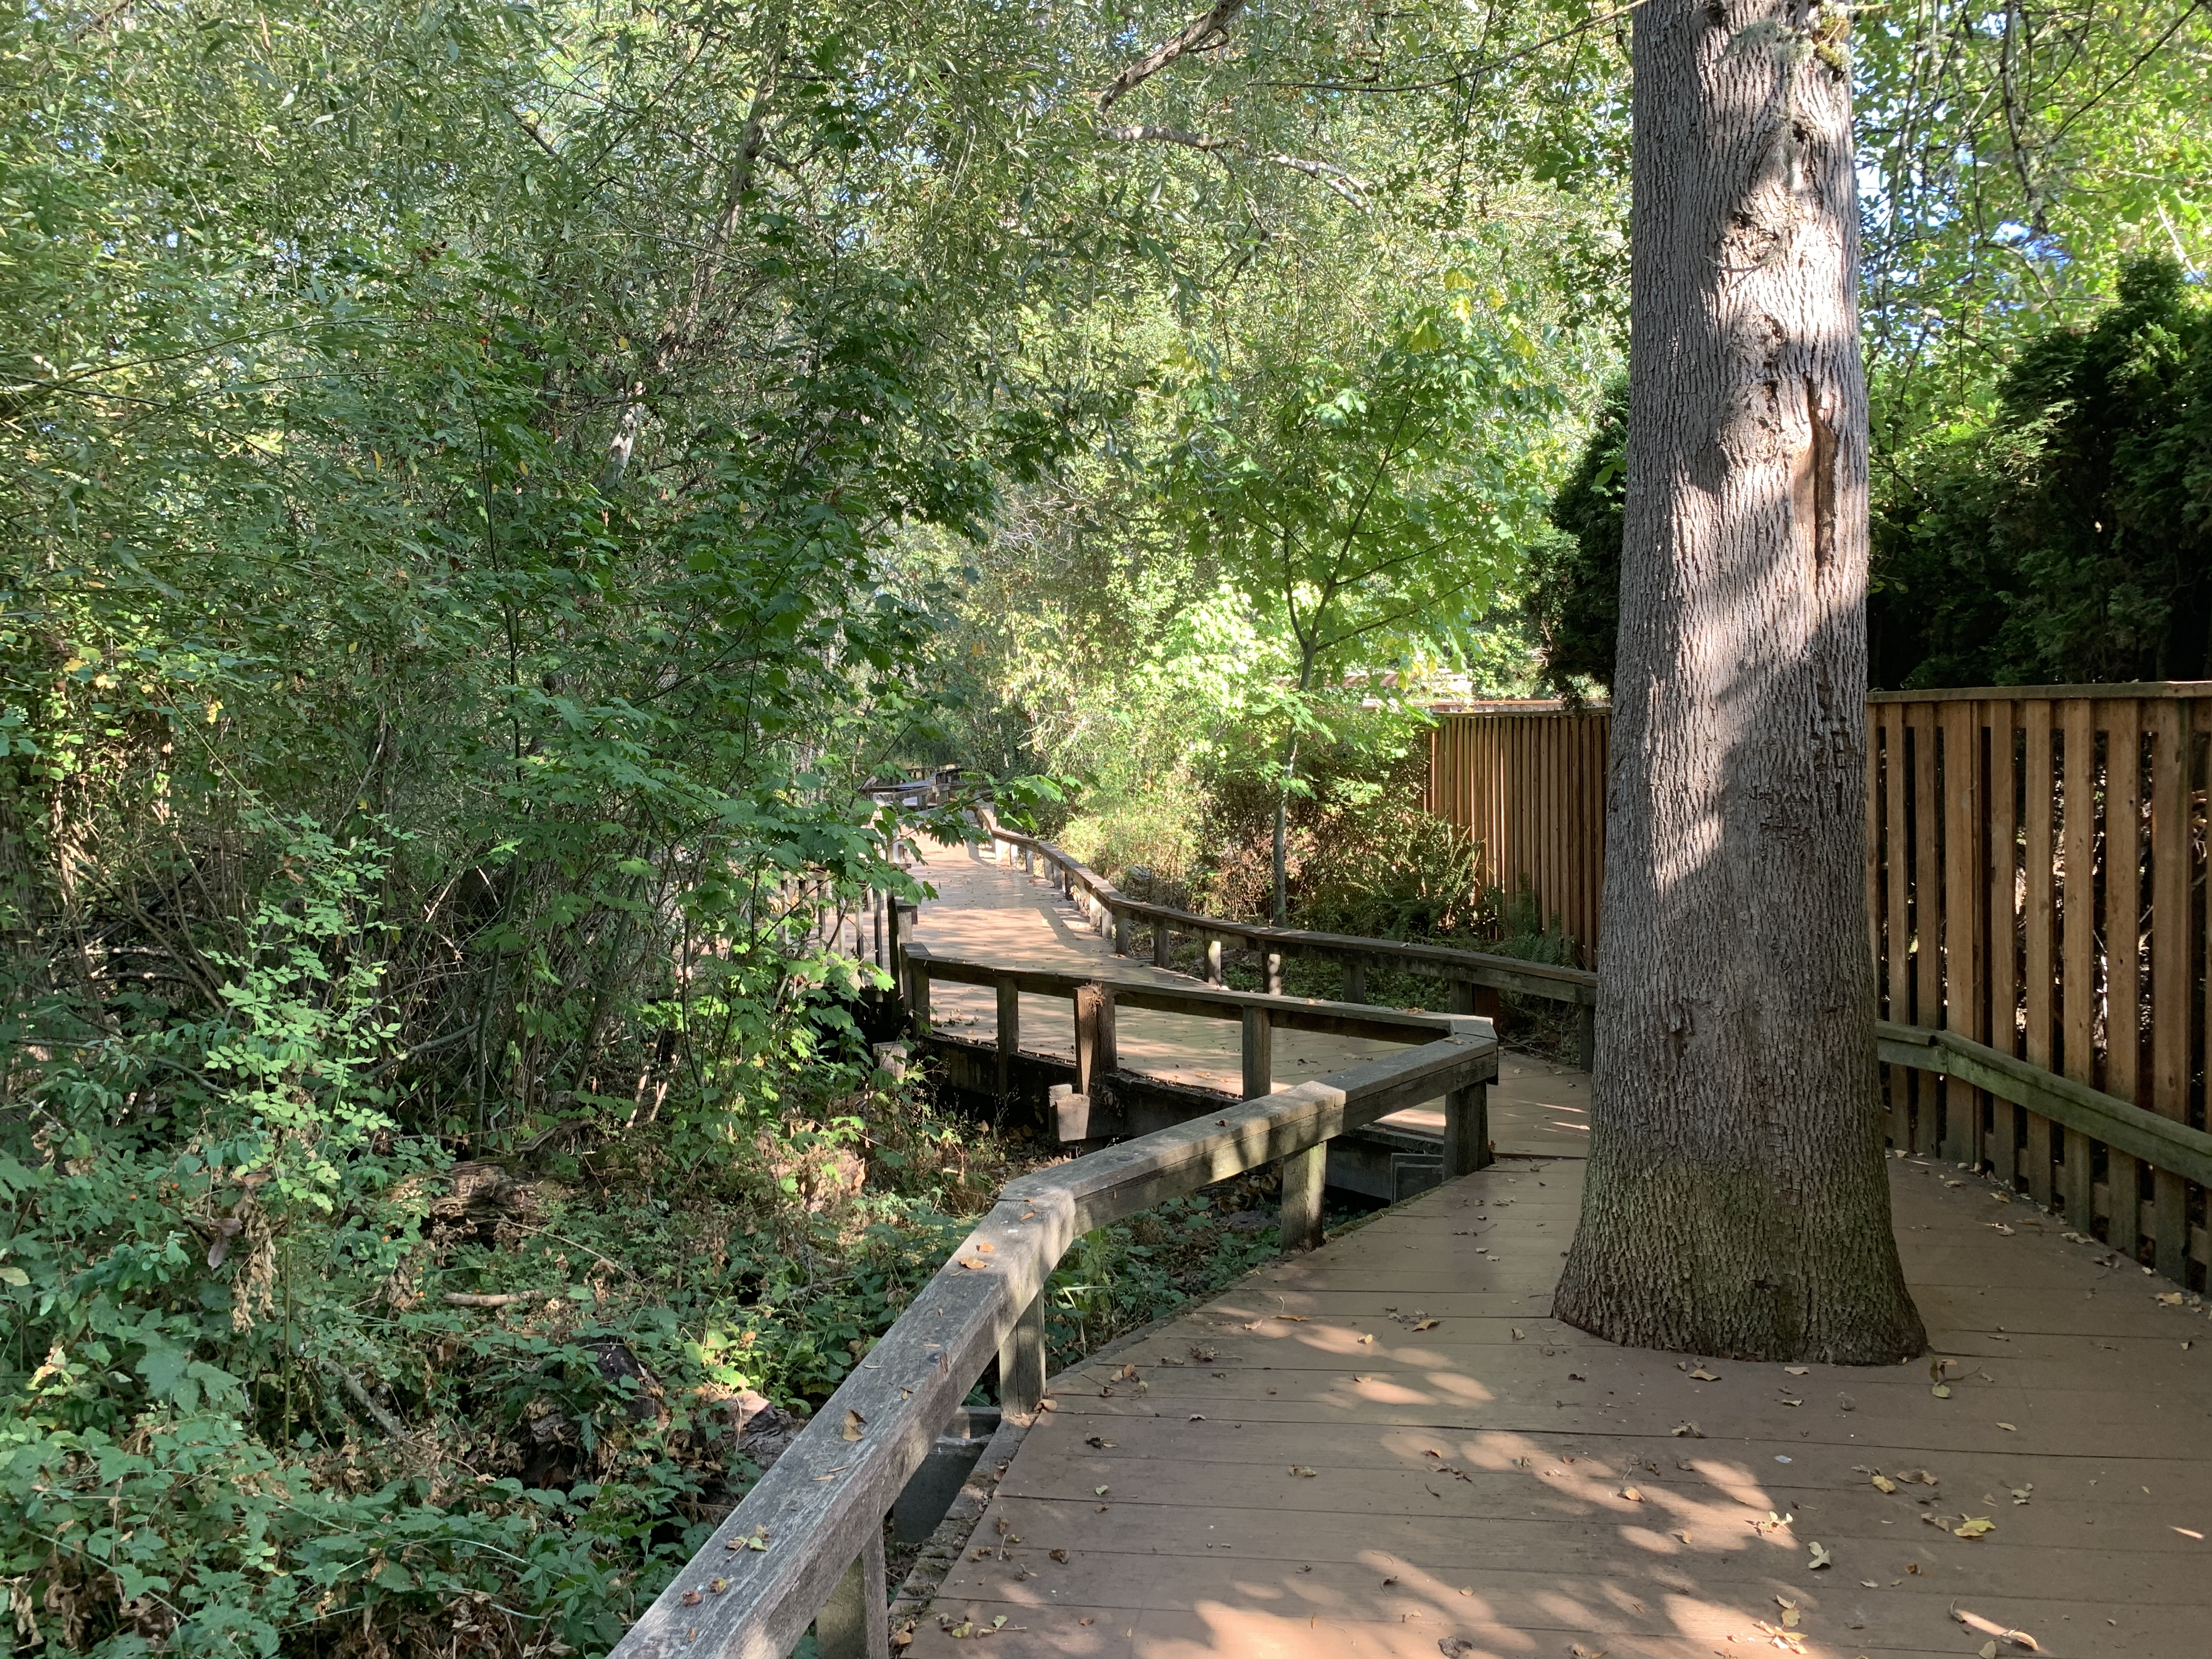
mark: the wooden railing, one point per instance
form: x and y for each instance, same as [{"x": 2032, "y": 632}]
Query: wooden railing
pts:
[
  {"x": 806, "y": 1544},
  {"x": 1114, "y": 912}
]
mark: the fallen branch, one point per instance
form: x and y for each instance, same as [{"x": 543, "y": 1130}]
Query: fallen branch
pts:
[
  {"x": 504, "y": 1299},
  {"x": 352, "y": 1384}
]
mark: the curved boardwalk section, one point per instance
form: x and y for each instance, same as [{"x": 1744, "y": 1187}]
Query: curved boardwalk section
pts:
[
  {"x": 987, "y": 910},
  {"x": 1388, "y": 1447}
]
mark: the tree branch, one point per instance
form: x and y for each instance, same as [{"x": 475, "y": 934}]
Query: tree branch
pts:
[
  {"x": 1343, "y": 183},
  {"x": 1200, "y": 30}
]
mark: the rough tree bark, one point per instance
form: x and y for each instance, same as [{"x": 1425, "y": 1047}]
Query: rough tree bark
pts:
[{"x": 1737, "y": 1201}]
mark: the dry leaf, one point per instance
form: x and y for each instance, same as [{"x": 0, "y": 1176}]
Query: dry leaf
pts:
[
  {"x": 1520, "y": 1335},
  {"x": 1295, "y": 1469},
  {"x": 1798, "y": 1370},
  {"x": 1941, "y": 1391},
  {"x": 718, "y": 1585},
  {"x": 1099, "y": 1441},
  {"x": 1456, "y": 1647},
  {"x": 2009, "y": 1428},
  {"x": 1369, "y": 1338},
  {"x": 1701, "y": 1375},
  {"x": 1688, "y": 1432},
  {"x": 1126, "y": 1374},
  {"x": 1059, "y": 1555},
  {"x": 1428, "y": 1324},
  {"x": 1973, "y": 1525},
  {"x": 855, "y": 1425},
  {"x": 1579, "y": 1651},
  {"x": 1099, "y": 1491},
  {"x": 1631, "y": 1494},
  {"x": 1923, "y": 1476},
  {"x": 692, "y": 1598},
  {"x": 1821, "y": 1558},
  {"x": 1294, "y": 1319},
  {"x": 1883, "y": 1483}
]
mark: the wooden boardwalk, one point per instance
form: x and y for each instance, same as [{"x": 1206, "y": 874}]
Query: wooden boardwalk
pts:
[
  {"x": 1389, "y": 1448},
  {"x": 994, "y": 912},
  {"x": 1307, "y": 1465}
]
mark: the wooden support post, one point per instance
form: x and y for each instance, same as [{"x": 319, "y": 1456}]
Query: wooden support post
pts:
[
  {"x": 1029, "y": 860},
  {"x": 1121, "y": 941},
  {"x": 882, "y": 961},
  {"x": 1302, "y": 1176},
  {"x": 1010, "y": 1035},
  {"x": 1467, "y": 1130},
  {"x": 1094, "y": 1054},
  {"x": 1163, "y": 945},
  {"x": 1259, "y": 1049},
  {"x": 1214, "y": 961},
  {"x": 1355, "y": 980},
  {"x": 1463, "y": 996},
  {"x": 917, "y": 997},
  {"x": 1021, "y": 1362},
  {"x": 855, "y": 1622},
  {"x": 2172, "y": 980},
  {"x": 1275, "y": 972}
]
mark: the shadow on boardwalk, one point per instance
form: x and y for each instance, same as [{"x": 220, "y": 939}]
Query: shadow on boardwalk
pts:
[{"x": 1306, "y": 1466}]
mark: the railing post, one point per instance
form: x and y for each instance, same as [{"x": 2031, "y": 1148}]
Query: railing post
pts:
[
  {"x": 1355, "y": 980},
  {"x": 1095, "y": 1046},
  {"x": 1021, "y": 1362},
  {"x": 1120, "y": 932},
  {"x": 1467, "y": 1130},
  {"x": 917, "y": 996},
  {"x": 1029, "y": 862},
  {"x": 1214, "y": 960},
  {"x": 1163, "y": 945},
  {"x": 882, "y": 961},
  {"x": 1275, "y": 972},
  {"x": 1010, "y": 1034},
  {"x": 1304, "y": 1174},
  {"x": 855, "y": 1622},
  {"x": 1259, "y": 1049}
]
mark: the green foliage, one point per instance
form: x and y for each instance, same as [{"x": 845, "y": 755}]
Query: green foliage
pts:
[
  {"x": 1573, "y": 594},
  {"x": 2068, "y": 536}
]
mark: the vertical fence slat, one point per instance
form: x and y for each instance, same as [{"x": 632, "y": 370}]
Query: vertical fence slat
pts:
[
  {"x": 1896, "y": 876},
  {"x": 1926, "y": 812},
  {"x": 2124, "y": 804},
  {"x": 2172, "y": 967},
  {"x": 1963, "y": 892},
  {"x": 2077, "y": 1022},
  {"x": 2040, "y": 924},
  {"x": 2000, "y": 811}
]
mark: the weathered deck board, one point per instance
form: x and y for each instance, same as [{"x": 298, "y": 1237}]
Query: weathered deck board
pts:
[{"x": 1467, "y": 1480}]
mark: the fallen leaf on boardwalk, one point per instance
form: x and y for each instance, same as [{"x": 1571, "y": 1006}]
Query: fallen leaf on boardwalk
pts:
[
  {"x": 1870, "y": 1584},
  {"x": 1456, "y": 1647},
  {"x": 1198, "y": 1417},
  {"x": 2188, "y": 1533},
  {"x": 692, "y": 1598},
  {"x": 1821, "y": 1558},
  {"x": 1520, "y": 1335},
  {"x": 2021, "y": 1494},
  {"x": 1941, "y": 1391},
  {"x": 1688, "y": 1432},
  {"x": 1701, "y": 1375},
  {"x": 1126, "y": 1374},
  {"x": 1798, "y": 1370},
  {"x": 2009, "y": 1428},
  {"x": 1684, "y": 1536},
  {"x": 1099, "y": 1491},
  {"x": 1973, "y": 1525},
  {"x": 2172, "y": 1299},
  {"x": 1922, "y": 1476},
  {"x": 1427, "y": 1324},
  {"x": 986, "y": 1248},
  {"x": 1087, "y": 1622},
  {"x": 1998, "y": 1226},
  {"x": 1631, "y": 1494},
  {"x": 1204, "y": 1356},
  {"x": 1793, "y": 1402},
  {"x": 1294, "y": 1319},
  {"x": 1391, "y": 1580},
  {"x": 718, "y": 1585},
  {"x": 1579, "y": 1651},
  {"x": 972, "y": 1267},
  {"x": 1788, "y": 1611},
  {"x": 855, "y": 1425},
  {"x": 1047, "y": 1405},
  {"x": 1059, "y": 1555},
  {"x": 1099, "y": 1441},
  {"x": 1883, "y": 1483},
  {"x": 1370, "y": 1337},
  {"x": 1999, "y": 1633},
  {"x": 1295, "y": 1469}
]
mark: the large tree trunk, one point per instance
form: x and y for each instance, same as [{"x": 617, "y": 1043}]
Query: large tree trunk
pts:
[{"x": 1737, "y": 1201}]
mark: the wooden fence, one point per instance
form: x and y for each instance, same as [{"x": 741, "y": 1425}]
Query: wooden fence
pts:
[
  {"x": 2035, "y": 884},
  {"x": 1527, "y": 781}
]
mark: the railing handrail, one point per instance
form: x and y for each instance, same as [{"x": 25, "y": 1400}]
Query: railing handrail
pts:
[
  {"x": 1576, "y": 985},
  {"x": 819, "y": 1506}
]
